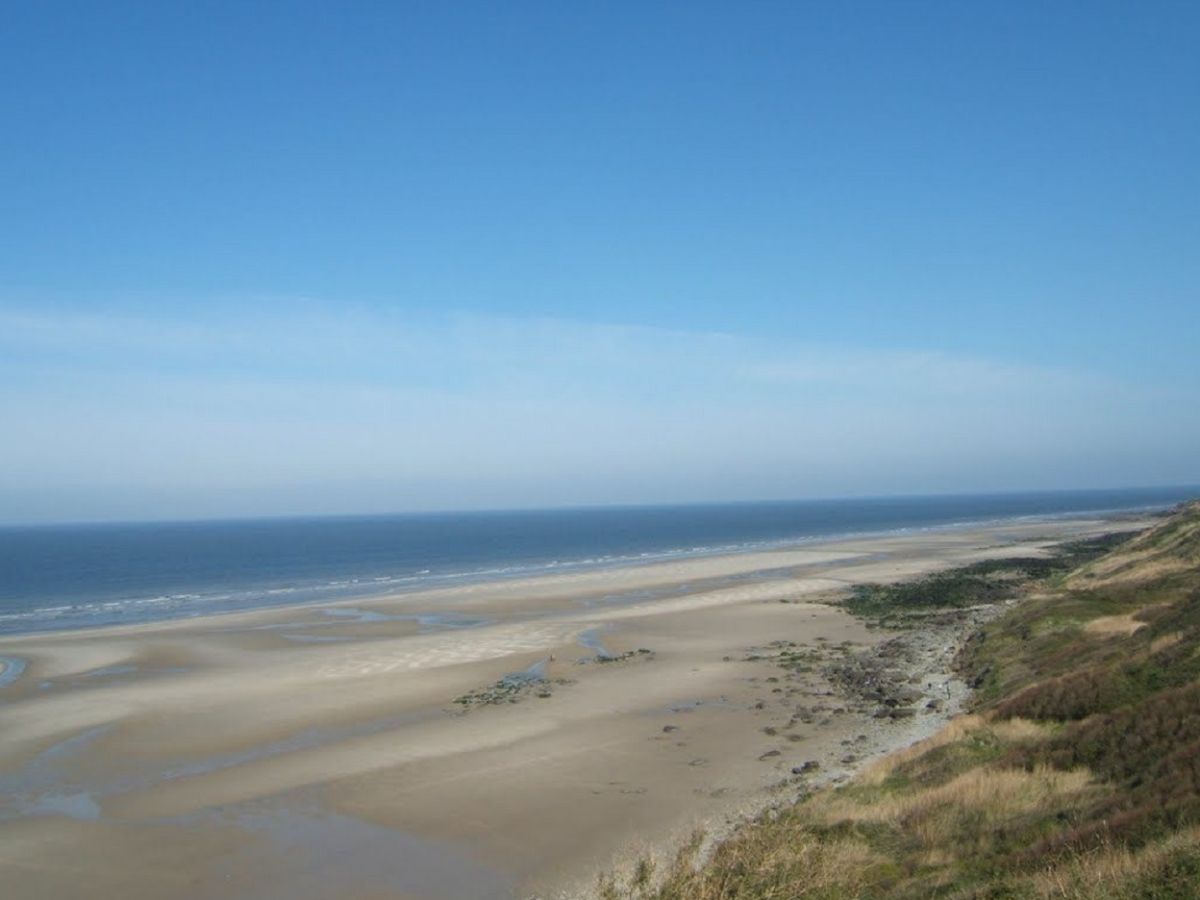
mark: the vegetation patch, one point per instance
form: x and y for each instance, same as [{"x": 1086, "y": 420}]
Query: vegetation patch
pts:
[
  {"x": 1076, "y": 776},
  {"x": 981, "y": 583}
]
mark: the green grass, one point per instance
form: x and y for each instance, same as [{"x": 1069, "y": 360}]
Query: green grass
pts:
[
  {"x": 1077, "y": 776},
  {"x": 984, "y": 582}
]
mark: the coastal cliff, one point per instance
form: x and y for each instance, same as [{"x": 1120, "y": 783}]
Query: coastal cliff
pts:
[{"x": 1074, "y": 773}]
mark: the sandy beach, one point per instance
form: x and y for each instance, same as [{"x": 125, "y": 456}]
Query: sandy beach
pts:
[{"x": 502, "y": 739}]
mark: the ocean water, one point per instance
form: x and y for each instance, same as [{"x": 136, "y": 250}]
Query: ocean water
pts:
[{"x": 74, "y": 576}]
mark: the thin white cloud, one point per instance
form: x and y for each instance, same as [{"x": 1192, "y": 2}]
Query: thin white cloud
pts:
[{"x": 308, "y": 402}]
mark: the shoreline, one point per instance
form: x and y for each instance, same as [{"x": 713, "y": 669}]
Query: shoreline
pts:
[
  {"x": 424, "y": 583},
  {"x": 175, "y": 743}
]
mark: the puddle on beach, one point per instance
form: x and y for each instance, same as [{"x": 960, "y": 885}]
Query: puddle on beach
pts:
[
  {"x": 308, "y": 739},
  {"x": 105, "y": 676},
  {"x": 590, "y": 640},
  {"x": 433, "y": 622},
  {"x": 641, "y": 595},
  {"x": 316, "y": 638},
  {"x": 536, "y": 672},
  {"x": 41, "y": 787},
  {"x": 80, "y": 805},
  {"x": 44, "y": 786},
  {"x": 354, "y": 614},
  {"x": 11, "y": 668},
  {"x": 321, "y": 854},
  {"x": 108, "y": 671},
  {"x": 427, "y": 623}
]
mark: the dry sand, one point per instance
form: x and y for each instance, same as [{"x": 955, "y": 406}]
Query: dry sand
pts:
[{"x": 318, "y": 752}]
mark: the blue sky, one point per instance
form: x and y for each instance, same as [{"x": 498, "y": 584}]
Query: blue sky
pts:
[{"x": 277, "y": 258}]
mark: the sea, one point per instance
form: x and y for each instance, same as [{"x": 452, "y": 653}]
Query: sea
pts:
[{"x": 77, "y": 576}]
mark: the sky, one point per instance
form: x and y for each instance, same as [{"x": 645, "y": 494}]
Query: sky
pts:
[{"x": 294, "y": 258}]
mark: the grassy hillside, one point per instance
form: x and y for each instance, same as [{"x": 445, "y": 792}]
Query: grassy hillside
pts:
[{"x": 1077, "y": 774}]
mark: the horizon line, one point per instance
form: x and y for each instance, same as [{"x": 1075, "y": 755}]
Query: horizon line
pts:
[{"x": 584, "y": 507}]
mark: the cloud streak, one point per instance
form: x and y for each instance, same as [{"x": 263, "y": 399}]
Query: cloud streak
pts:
[{"x": 301, "y": 407}]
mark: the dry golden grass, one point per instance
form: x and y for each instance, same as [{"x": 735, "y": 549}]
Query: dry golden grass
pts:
[
  {"x": 1017, "y": 729},
  {"x": 766, "y": 861},
  {"x": 955, "y": 730},
  {"x": 810, "y": 852},
  {"x": 1110, "y": 871},
  {"x": 1130, "y": 567},
  {"x": 1162, "y": 551},
  {"x": 988, "y": 794},
  {"x": 1167, "y": 640},
  {"x": 1108, "y": 625}
]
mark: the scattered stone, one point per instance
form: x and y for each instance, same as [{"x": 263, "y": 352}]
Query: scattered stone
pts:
[
  {"x": 895, "y": 712},
  {"x": 510, "y": 690},
  {"x": 606, "y": 659}
]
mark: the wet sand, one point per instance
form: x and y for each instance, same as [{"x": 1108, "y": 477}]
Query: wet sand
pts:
[{"x": 319, "y": 751}]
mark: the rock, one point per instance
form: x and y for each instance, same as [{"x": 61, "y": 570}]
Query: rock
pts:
[
  {"x": 667, "y": 729},
  {"x": 769, "y": 754}
]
